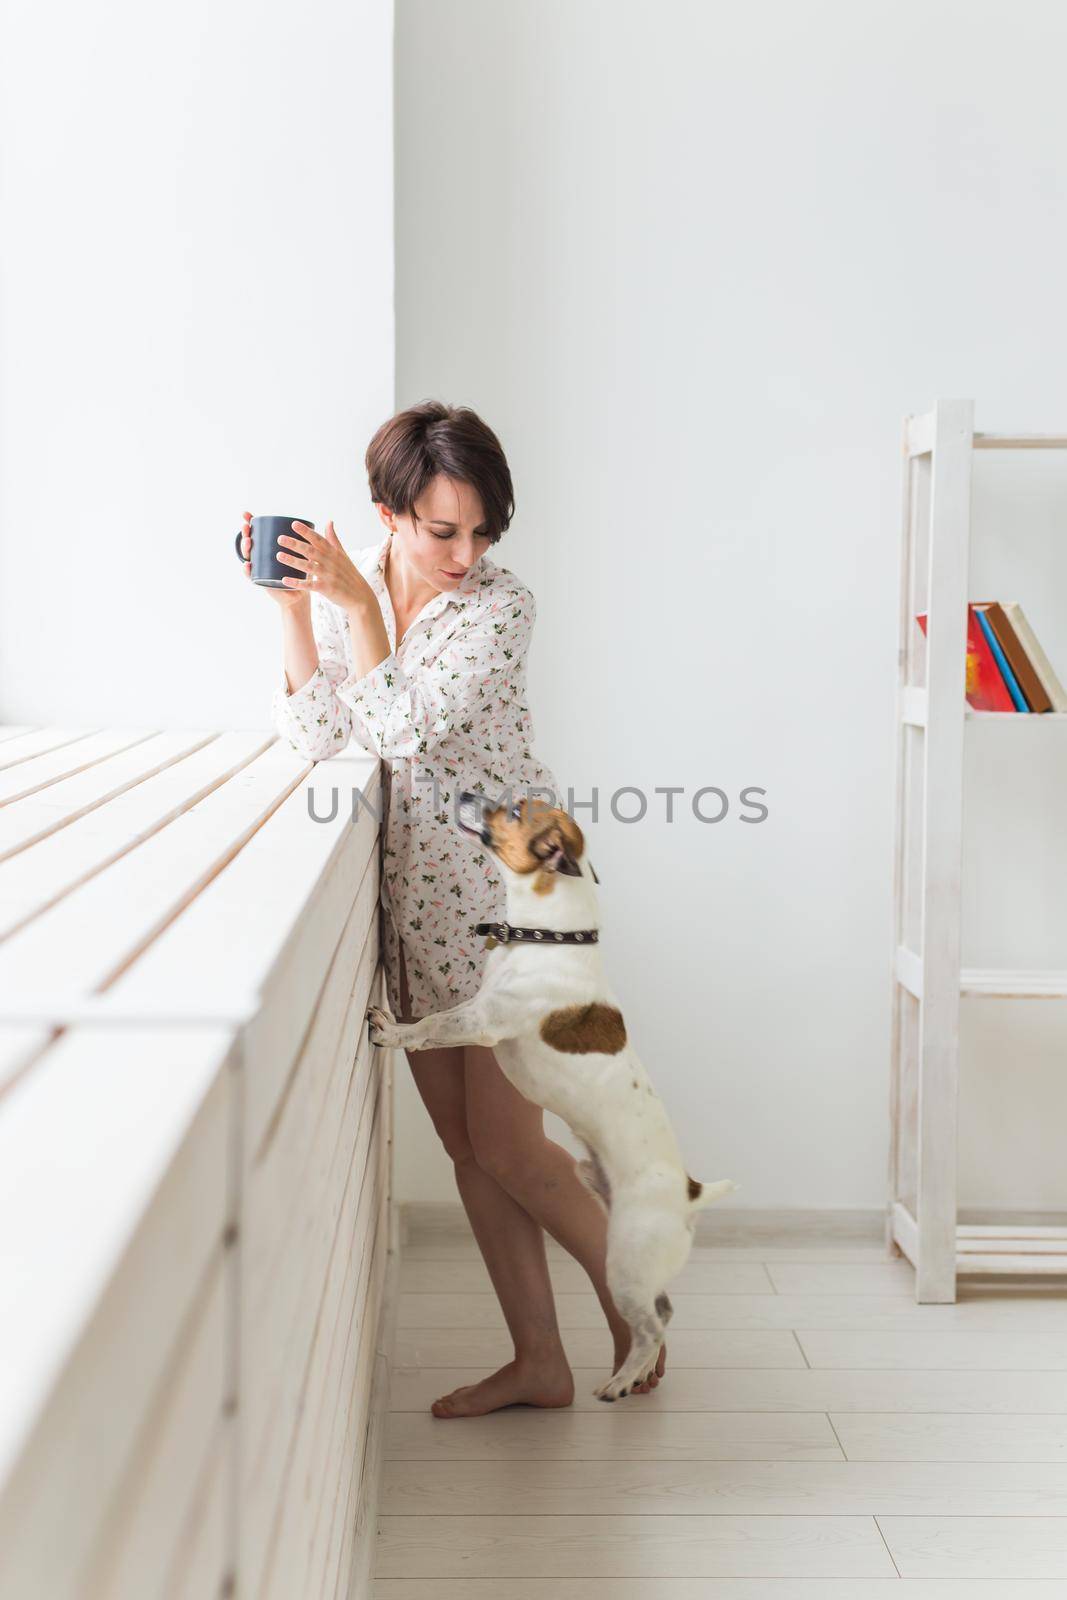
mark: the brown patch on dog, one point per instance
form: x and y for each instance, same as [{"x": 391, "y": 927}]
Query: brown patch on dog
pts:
[
  {"x": 580, "y": 1030},
  {"x": 695, "y": 1189},
  {"x": 539, "y": 834}
]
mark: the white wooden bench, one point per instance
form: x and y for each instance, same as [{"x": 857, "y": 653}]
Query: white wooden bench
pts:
[{"x": 196, "y": 1224}]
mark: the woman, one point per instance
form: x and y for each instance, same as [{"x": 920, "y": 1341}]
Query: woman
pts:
[{"x": 416, "y": 648}]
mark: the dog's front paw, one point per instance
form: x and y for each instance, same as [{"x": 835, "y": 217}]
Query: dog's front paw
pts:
[
  {"x": 383, "y": 1029},
  {"x": 615, "y": 1388}
]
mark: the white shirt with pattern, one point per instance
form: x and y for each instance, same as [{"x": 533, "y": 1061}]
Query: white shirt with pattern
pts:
[{"x": 449, "y": 704}]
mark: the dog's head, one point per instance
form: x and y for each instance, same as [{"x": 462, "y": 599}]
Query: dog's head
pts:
[{"x": 528, "y": 838}]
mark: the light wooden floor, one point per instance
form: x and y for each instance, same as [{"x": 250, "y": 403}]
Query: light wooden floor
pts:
[{"x": 818, "y": 1436}]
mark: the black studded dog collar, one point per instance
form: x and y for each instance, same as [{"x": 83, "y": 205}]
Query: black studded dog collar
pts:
[{"x": 508, "y": 933}]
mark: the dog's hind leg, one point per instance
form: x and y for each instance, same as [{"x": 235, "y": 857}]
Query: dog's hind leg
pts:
[
  {"x": 646, "y": 1336},
  {"x": 664, "y": 1308}
]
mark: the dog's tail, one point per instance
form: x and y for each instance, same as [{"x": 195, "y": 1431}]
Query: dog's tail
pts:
[{"x": 705, "y": 1194}]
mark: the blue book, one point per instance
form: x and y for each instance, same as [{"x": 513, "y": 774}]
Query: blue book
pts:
[{"x": 1002, "y": 662}]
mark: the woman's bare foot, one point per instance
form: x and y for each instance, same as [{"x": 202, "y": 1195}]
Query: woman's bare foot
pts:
[
  {"x": 622, "y": 1350},
  {"x": 518, "y": 1383}
]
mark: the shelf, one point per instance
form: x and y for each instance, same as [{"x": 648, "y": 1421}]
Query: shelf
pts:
[
  {"x": 1020, "y": 441},
  {"x": 992, "y": 1250},
  {"x": 986, "y": 983},
  {"x": 919, "y": 438},
  {"x": 936, "y": 491},
  {"x": 913, "y": 711}
]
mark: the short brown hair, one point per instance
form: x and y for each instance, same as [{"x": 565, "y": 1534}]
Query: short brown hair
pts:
[{"x": 430, "y": 438}]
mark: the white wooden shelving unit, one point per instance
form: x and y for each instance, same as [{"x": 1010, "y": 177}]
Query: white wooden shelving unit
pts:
[{"x": 928, "y": 979}]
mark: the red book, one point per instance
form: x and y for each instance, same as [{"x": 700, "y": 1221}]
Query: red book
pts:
[{"x": 985, "y": 687}]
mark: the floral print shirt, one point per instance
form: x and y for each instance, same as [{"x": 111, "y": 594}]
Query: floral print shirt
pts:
[{"x": 446, "y": 711}]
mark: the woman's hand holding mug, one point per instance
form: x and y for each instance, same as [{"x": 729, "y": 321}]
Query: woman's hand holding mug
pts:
[
  {"x": 287, "y": 598},
  {"x": 320, "y": 565}
]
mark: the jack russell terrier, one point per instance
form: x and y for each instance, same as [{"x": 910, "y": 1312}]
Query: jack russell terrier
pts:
[{"x": 546, "y": 1009}]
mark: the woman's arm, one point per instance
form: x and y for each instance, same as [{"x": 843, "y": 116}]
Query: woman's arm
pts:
[
  {"x": 305, "y": 710},
  {"x": 394, "y": 714}
]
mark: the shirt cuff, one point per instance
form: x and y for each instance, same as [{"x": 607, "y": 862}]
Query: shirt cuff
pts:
[
  {"x": 374, "y": 693},
  {"x": 306, "y": 691}
]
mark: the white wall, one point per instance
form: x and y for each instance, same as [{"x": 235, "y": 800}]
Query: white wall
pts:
[
  {"x": 693, "y": 262},
  {"x": 196, "y": 318}
]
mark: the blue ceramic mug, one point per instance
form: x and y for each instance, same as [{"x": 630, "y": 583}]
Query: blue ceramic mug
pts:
[{"x": 266, "y": 568}]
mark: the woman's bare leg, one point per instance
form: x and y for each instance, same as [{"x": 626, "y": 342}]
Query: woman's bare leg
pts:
[
  {"x": 507, "y": 1132},
  {"x": 512, "y": 1245}
]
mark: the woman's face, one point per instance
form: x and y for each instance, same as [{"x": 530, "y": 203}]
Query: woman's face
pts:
[{"x": 446, "y": 537}]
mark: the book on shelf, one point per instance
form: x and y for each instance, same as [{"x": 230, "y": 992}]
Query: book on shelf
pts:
[{"x": 1007, "y": 670}]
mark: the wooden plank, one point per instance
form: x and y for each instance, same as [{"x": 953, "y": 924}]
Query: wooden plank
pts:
[
  {"x": 137, "y": 1146},
  {"x": 985, "y": 1233},
  {"x": 651, "y": 1587},
  {"x": 270, "y": 923},
  {"x": 977, "y": 1548},
  {"x": 364, "y": 1521},
  {"x": 990, "y": 983},
  {"x": 696, "y": 1389},
  {"x": 201, "y": 1569},
  {"x": 26, "y": 746},
  {"x": 1024, "y": 1263},
  {"x": 469, "y": 1275},
  {"x": 249, "y": 852},
  {"x": 312, "y": 1546},
  {"x": 291, "y": 1194},
  {"x": 906, "y": 707},
  {"x": 612, "y": 1434},
  {"x": 624, "y": 1489},
  {"x": 867, "y": 1313},
  {"x": 276, "y": 1340},
  {"x": 964, "y": 1349},
  {"x": 36, "y": 776},
  {"x": 56, "y": 840},
  {"x": 160, "y": 1494},
  {"x": 516, "y": 1547},
  {"x": 949, "y": 553},
  {"x": 586, "y": 1347},
  {"x": 1020, "y": 441},
  {"x": 876, "y": 1436}
]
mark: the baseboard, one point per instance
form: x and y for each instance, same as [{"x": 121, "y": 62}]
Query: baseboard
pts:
[{"x": 727, "y": 1225}]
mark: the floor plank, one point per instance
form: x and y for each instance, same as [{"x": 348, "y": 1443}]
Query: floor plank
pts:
[
  {"x": 524, "y": 1546},
  {"x": 491, "y": 1347},
  {"x": 966, "y": 1349},
  {"x": 775, "y": 1390},
  {"x": 891, "y": 1277},
  {"x": 434, "y": 1275},
  {"x": 709, "y": 1488},
  {"x": 612, "y": 1433},
  {"x": 978, "y": 1547},
  {"x": 877, "y": 1436},
  {"x": 656, "y": 1588},
  {"x": 850, "y": 1313}
]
